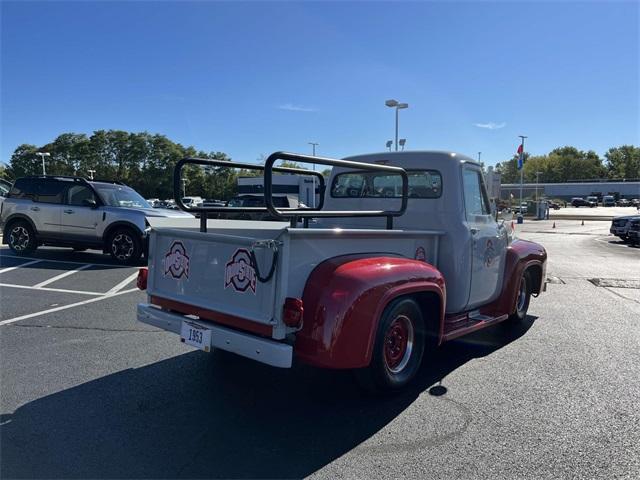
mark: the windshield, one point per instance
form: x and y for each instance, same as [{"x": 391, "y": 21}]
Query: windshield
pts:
[{"x": 120, "y": 196}]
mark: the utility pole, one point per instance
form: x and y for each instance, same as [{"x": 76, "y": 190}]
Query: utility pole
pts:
[
  {"x": 537, "y": 182},
  {"x": 314, "y": 145},
  {"x": 521, "y": 170},
  {"x": 479, "y": 153}
]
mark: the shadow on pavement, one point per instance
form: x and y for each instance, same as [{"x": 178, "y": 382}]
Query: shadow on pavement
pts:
[
  {"x": 216, "y": 416},
  {"x": 60, "y": 254}
]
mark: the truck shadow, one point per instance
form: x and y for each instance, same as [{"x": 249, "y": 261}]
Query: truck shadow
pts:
[{"x": 216, "y": 416}]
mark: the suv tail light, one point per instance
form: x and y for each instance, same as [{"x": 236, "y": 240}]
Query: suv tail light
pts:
[
  {"x": 292, "y": 312},
  {"x": 141, "y": 283}
]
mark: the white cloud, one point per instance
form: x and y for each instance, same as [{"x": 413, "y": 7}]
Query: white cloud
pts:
[
  {"x": 491, "y": 125},
  {"x": 295, "y": 108}
]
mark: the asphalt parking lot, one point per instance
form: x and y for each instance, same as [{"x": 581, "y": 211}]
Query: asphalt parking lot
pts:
[{"x": 87, "y": 392}]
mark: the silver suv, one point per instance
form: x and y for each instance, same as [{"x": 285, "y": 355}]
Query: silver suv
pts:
[{"x": 78, "y": 213}]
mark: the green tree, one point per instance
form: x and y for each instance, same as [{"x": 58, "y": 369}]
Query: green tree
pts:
[{"x": 623, "y": 162}]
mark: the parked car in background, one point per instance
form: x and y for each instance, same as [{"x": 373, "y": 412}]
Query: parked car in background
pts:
[
  {"x": 593, "y": 199},
  {"x": 608, "y": 201},
  {"x": 248, "y": 200},
  {"x": 620, "y": 226},
  {"x": 634, "y": 231},
  {"x": 635, "y": 202},
  {"x": 581, "y": 202},
  {"x": 214, "y": 203},
  {"x": 5, "y": 186},
  {"x": 78, "y": 213},
  {"x": 623, "y": 202},
  {"x": 154, "y": 202},
  {"x": 192, "y": 201},
  {"x": 554, "y": 205}
]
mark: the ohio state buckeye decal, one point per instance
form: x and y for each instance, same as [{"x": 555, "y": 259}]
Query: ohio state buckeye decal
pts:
[
  {"x": 176, "y": 261},
  {"x": 238, "y": 272}
]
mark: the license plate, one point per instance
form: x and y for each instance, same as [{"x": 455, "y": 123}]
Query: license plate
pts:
[{"x": 195, "y": 335}]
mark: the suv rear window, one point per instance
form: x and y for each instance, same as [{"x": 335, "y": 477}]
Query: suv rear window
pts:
[
  {"x": 422, "y": 184},
  {"x": 50, "y": 191}
]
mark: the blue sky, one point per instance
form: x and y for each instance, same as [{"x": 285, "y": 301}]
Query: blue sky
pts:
[{"x": 252, "y": 78}]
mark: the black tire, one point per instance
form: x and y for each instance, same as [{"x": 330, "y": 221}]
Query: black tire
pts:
[
  {"x": 398, "y": 349},
  {"x": 522, "y": 300},
  {"x": 124, "y": 246},
  {"x": 21, "y": 238}
]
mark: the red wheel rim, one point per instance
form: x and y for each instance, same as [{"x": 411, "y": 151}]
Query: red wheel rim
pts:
[{"x": 398, "y": 344}]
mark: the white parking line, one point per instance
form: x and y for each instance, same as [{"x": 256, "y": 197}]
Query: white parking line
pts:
[
  {"x": 122, "y": 284},
  {"x": 64, "y": 307},
  {"x": 46, "y": 289},
  {"x": 8, "y": 269},
  {"x": 64, "y": 261},
  {"x": 62, "y": 275}
]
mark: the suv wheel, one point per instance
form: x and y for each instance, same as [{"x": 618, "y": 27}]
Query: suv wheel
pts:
[
  {"x": 21, "y": 238},
  {"x": 125, "y": 246}
]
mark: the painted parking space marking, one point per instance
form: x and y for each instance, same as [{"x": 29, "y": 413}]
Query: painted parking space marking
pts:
[
  {"x": 122, "y": 284},
  {"x": 8, "y": 269},
  {"x": 48, "y": 289},
  {"x": 65, "y": 307},
  {"x": 62, "y": 275},
  {"x": 72, "y": 262}
]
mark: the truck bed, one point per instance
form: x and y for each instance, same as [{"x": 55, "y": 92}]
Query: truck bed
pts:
[{"x": 212, "y": 270}]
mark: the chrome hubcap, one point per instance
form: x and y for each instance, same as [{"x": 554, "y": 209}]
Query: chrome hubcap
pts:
[
  {"x": 19, "y": 238},
  {"x": 122, "y": 246},
  {"x": 398, "y": 344}
]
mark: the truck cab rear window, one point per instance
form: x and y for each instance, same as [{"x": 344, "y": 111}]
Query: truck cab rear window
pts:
[{"x": 422, "y": 184}]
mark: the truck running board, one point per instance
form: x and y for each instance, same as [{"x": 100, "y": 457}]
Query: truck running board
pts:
[{"x": 458, "y": 325}]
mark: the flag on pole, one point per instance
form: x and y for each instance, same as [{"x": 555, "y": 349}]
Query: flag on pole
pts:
[{"x": 521, "y": 157}]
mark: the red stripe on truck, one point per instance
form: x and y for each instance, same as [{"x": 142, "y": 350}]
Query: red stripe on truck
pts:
[{"x": 212, "y": 316}]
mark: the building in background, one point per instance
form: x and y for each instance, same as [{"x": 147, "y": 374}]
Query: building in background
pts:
[
  {"x": 300, "y": 186},
  {"x": 566, "y": 191},
  {"x": 493, "y": 181}
]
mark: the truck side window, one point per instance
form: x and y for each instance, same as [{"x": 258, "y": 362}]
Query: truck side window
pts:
[
  {"x": 475, "y": 202},
  {"x": 50, "y": 191},
  {"x": 77, "y": 194}
]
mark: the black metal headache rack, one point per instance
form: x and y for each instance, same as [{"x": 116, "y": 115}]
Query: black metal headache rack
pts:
[{"x": 293, "y": 215}]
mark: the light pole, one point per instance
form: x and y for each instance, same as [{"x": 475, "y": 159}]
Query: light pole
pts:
[
  {"x": 184, "y": 187},
  {"x": 42, "y": 155},
  {"x": 521, "y": 168},
  {"x": 479, "y": 153},
  {"x": 389, "y": 143},
  {"x": 91, "y": 172},
  {"x": 313, "y": 146},
  {"x": 397, "y": 105}
]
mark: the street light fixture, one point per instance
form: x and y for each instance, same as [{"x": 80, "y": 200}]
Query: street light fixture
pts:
[
  {"x": 402, "y": 142},
  {"x": 91, "y": 172},
  {"x": 389, "y": 143},
  {"x": 42, "y": 155},
  {"x": 398, "y": 106}
]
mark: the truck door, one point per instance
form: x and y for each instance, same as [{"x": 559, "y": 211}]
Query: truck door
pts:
[{"x": 488, "y": 240}]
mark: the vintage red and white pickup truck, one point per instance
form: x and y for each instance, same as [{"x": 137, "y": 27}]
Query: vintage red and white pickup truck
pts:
[{"x": 401, "y": 254}]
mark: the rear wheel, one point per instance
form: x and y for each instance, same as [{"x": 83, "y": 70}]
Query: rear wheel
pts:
[
  {"x": 398, "y": 349},
  {"x": 21, "y": 238},
  {"x": 523, "y": 299},
  {"x": 125, "y": 246}
]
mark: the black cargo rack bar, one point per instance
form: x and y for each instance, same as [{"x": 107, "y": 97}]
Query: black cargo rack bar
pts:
[
  {"x": 248, "y": 166},
  {"x": 293, "y": 216}
]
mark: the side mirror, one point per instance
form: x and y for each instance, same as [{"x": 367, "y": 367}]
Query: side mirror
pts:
[{"x": 89, "y": 202}]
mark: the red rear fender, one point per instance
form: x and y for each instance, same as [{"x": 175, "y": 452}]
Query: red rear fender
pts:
[{"x": 344, "y": 298}]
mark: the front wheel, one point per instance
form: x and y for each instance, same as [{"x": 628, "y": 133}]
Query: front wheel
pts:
[
  {"x": 398, "y": 349},
  {"x": 21, "y": 238},
  {"x": 125, "y": 246},
  {"x": 523, "y": 299}
]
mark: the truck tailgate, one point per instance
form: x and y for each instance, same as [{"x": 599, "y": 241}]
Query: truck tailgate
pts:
[{"x": 212, "y": 271}]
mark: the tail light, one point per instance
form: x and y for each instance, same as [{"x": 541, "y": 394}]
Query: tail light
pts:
[
  {"x": 141, "y": 283},
  {"x": 292, "y": 312}
]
